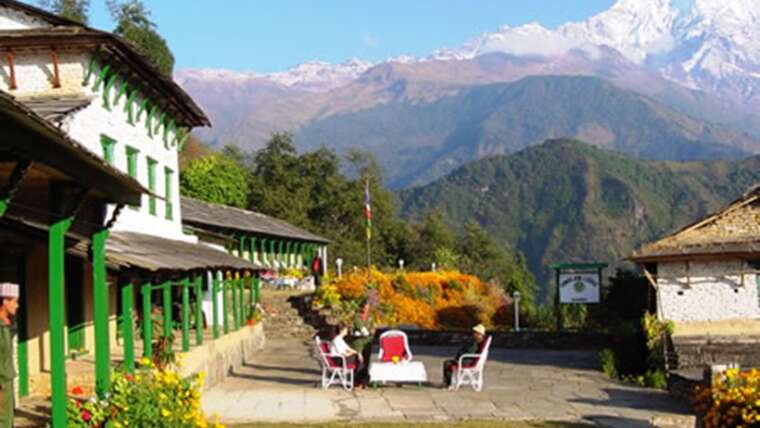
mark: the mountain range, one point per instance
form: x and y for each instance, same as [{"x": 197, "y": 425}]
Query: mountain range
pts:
[
  {"x": 566, "y": 201},
  {"x": 698, "y": 57}
]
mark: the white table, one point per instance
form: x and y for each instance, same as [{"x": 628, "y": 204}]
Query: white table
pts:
[{"x": 411, "y": 371}]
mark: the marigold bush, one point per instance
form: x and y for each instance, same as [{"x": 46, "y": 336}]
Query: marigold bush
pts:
[
  {"x": 151, "y": 397},
  {"x": 431, "y": 300},
  {"x": 732, "y": 401}
]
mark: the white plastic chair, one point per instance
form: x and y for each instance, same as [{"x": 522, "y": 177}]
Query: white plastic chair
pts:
[
  {"x": 391, "y": 334},
  {"x": 472, "y": 374},
  {"x": 332, "y": 372}
]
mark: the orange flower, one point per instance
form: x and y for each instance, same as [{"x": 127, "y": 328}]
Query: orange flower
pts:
[{"x": 426, "y": 298}]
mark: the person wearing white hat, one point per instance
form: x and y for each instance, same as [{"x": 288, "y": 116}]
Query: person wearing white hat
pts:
[
  {"x": 473, "y": 346},
  {"x": 9, "y": 294}
]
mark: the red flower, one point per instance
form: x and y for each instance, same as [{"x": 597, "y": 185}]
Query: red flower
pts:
[
  {"x": 128, "y": 377},
  {"x": 77, "y": 390},
  {"x": 86, "y": 416}
]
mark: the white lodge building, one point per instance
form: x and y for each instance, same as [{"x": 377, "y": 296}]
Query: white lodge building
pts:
[
  {"x": 77, "y": 77},
  {"x": 707, "y": 275},
  {"x": 104, "y": 96}
]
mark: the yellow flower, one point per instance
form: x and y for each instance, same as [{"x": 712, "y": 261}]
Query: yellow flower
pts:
[{"x": 165, "y": 413}]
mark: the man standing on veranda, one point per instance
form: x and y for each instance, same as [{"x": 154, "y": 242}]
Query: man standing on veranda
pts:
[{"x": 9, "y": 294}]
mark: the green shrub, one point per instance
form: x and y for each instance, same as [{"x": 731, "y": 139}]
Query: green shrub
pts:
[
  {"x": 607, "y": 361},
  {"x": 655, "y": 379}
]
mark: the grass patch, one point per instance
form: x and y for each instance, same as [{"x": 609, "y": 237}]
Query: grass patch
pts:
[{"x": 461, "y": 424}]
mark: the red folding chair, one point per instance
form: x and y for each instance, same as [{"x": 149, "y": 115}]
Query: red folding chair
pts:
[
  {"x": 335, "y": 369},
  {"x": 469, "y": 368},
  {"x": 394, "y": 343}
]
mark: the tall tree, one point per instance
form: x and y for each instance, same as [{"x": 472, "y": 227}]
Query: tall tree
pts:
[
  {"x": 133, "y": 23},
  {"x": 277, "y": 185},
  {"x": 481, "y": 255},
  {"x": 219, "y": 179},
  {"x": 75, "y": 10}
]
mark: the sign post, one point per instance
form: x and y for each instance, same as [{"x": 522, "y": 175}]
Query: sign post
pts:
[{"x": 577, "y": 283}]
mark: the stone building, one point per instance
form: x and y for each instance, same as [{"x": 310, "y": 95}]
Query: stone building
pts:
[
  {"x": 93, "y": 90},
  {"x": 707, "y": 281},
  {"x": 267, "y": 241},
  {"x": 54, "y": 194}
]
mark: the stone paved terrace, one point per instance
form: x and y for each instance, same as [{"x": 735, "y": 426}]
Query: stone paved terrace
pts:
[{"x": 280, "y": 385}]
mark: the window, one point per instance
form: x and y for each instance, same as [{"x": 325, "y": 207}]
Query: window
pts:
[
  {"x": 169, "y": 175},
  {"x": 152, "y": 186},
  {"x": 132, "y": 166},
  {"x": 108, "y": 144}
]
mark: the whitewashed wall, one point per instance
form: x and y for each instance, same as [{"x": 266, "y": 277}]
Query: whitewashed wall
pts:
[
  {"x": 87, "y": 126},
  {"x": 91, "y": 123},
  {"x": 13, "y": 20},
  {"x": 715, "y": 291}
]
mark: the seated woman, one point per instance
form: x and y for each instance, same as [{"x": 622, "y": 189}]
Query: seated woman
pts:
[{"x": 339, "y": 346}]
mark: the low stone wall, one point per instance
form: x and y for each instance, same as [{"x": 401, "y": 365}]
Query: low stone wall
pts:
[
  {"x": 682, "y": 384},
  {"x": 219, "y": 357},
  {"x": 514, "y": 340},
  {"x": 699, "y": 351}
]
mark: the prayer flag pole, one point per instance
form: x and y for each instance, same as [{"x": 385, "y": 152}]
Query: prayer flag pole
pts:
[{"x": 368, "y": 218}]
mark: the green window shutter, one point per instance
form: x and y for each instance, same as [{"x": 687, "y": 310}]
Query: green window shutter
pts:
[
  {"x": 152, "y": 186},
  {"x": 132, "y": 166},
  {"x": 169, "y": 174},
  {"x": 108, "y": 144}
]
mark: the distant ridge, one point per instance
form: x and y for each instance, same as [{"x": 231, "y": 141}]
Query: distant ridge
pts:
[
  {"x": 417, "y": 142},
  {"x": 565, "y": 201}
]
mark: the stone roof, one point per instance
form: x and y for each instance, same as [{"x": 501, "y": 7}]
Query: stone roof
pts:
[
  {"x": 734, "y": 230},
  {"x": 57, "y": 150},
  {"x": 153, "y": 253},
  {"x": 204, "y": 215},
  {"x": 155, "y": 84},
  {"x": 36, "y": 12},
  {"x": 55, "y": 109}
]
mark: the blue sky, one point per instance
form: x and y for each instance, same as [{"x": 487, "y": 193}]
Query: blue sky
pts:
[{"x": 267, "y": 36}]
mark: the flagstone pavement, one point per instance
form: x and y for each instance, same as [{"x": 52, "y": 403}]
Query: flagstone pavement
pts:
[{"x": 280, "y": 384}]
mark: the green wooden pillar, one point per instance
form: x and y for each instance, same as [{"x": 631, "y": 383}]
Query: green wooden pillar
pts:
[
  {"x": 198, "y": 309},
  {"x": 263, "y": 251},
  {"x": 241, "y": 298},
  {"x": 127, "y": 325},
  {"x": 22, "y": 351},
  {"x": 271, "y": 251},
  {"x": 215, "y": 305},
  {"x": 100, "y": 315},
  {"x": 166, "y": 288},
  {"x": 225, "y": 304},
  {"x": 235, "y": 318},
  {"x": 280, "y": 259},
  {"x": 241, "y": 247},
  {"x": 231, "y": 245},
  {"x": 289, "y": 253},
  {"x": 147, "y": 319},
  {"x": 257, "y": 290},
  {"x": 185, "y": 314},
  {"x": 57, "y": 305},
  {"x": 251, "y": 287},
  {"x": 252, "y": 246}
]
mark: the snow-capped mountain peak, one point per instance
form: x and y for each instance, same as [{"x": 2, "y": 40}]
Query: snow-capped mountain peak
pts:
[
  {"x": 320, "y": 76},
  {"x": 702, "y": 44},
  {"x": 636, "y": 28}
]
